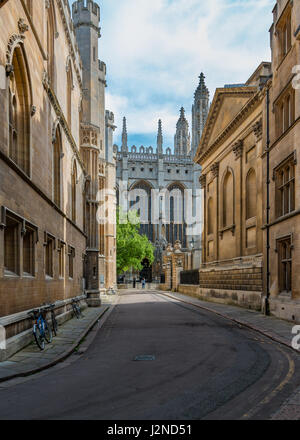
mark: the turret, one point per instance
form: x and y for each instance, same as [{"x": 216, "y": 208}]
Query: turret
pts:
[
  {"x": 199, "y": 112},
  {"x": 159, "y": 139},
  {"x": 182, "y": 139},
  {"x": 124, "y": 136}
]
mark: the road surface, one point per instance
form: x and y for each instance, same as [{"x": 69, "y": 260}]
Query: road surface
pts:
[{"x": 200, "y": 366}]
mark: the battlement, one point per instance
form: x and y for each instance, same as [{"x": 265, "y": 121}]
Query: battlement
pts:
[{"x": 85, "y": 12}]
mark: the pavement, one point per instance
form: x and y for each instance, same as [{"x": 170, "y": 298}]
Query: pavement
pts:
[
  {"x": 162, "y": 358},
  {"x": 270, "y": 326},
  {"x": 70, "y": 335}
]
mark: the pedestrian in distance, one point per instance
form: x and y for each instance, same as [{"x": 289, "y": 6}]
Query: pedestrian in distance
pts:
[
  {"x": 144, "y": 283},
  {"x": 134, "y": 283}
]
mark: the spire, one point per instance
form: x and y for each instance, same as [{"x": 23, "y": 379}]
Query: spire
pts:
[
  {"x": 159, "y": 138},
  {"x": 124, "y": 135},
  {"x": 199, "y": 112},
  {"x": 182, "y": 144}
]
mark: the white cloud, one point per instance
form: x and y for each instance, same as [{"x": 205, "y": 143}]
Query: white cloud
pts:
[{"x": 156, "y": 49}]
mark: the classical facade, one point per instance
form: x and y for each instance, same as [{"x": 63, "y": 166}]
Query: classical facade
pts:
[
  {"x": 173, "y": 169},
  {"x": 229, "y": 153},
  {"x": 282, "y": 134},
  {"x": 55, "y": 153}
]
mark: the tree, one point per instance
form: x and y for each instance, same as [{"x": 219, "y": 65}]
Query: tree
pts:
[{"x": 132, "y": 248}]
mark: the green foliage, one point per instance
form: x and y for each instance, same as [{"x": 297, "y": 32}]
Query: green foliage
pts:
[{"x": 132, "y": 248}]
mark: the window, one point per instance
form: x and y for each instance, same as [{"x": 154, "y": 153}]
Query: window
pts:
[
  {"x": 12, "y": 246},
  {"x": 71, "y": 255},
  {"x": 61, "y": 259},
  {"x": 228, "y": 201},
  {"x": 73, "y": 190},
  {"x": 56, "y": 167},
  {"x": 285, "y": 111},
  {"x": 284, "y": 30},
  {"x": 285, "y": 187},
  {"x": 69, "y": 94},
  {"x": 19, "y": 112},
  {"x": 284, "y": 249},
  {"x": 251, "y": 194},
  {"x": 50, "y": 41},
  {"x": 210, "y": 216},
  {"x": 49, "y": 248},
  {"x": 29, "y": 252}
]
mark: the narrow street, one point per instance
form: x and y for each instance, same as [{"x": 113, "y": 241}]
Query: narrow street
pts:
[{"x": 203, "y": 367}]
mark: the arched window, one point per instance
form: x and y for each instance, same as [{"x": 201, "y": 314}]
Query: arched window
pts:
[
  {"x": 251, "y": 194},
  {"x": 57, "y": 150},
  {"x": 210, "y": 217},
  {"x": 69, "y": 94},
  {"x": 50, "y": 41},
  {"x": 140, "y": 199},
  {"x": 228, "y": 200},
  {"x": 73, "y": 186},
  {"x": 19, "y": 112},
  {"x": 176, "y": 229}
]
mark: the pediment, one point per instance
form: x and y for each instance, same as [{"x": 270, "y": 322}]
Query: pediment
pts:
[{"x": 226, "y": 105}]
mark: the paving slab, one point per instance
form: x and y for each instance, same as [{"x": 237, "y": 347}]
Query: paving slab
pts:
[{"x": 31, "y": 359}]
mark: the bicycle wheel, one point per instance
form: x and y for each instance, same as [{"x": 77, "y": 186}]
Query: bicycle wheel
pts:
[
  {"x": 75, "y": 311},
  {"x": 48, "y": 333},
  {"x": 54, "y": 326},
  {"x": 39, "y": 338}
]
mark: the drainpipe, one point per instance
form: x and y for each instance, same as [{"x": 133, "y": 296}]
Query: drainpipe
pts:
[{"x": 267, "y": 303}]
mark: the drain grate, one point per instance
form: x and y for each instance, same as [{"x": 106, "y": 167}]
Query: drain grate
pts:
[{"x": 145, "y": 357}]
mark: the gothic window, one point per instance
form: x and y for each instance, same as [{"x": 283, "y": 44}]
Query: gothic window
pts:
[
  {"x": 176, "y": 229},
  {"x": 61, "y": 259},
  {"x": 71, "y": 255},
  {"x": 285, "y": 187},
  {"x": 284, "y": 249},
  {"x": 251, "y": 194},
  {"x": 142, "y": 198},
  {"x": 49, "y": 248},
  {"x": 285, "y": 111},
  {"x": 29, "y": 251},
  {"x": 69, "y": 94},
  {"x": 11, "y": 245},
  {"x": 50, "y": 41},
  {"x": 228, "y": 200},
  {"x": 73, "y": 191},
  {"x": 210, "y": 217},
  {"x": 57, "y": 151},
  {"x": 19, "y": 112},
  {"x": 284, "y": 30}
]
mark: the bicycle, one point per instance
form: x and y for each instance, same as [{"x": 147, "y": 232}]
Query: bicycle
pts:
[
  {"x": 54, "y": 322},
  {"x": 76, "y": 309},
  {"x": 41, "y": 331}
]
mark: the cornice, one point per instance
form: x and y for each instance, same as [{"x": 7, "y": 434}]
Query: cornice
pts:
[{"x": 240, "y": 117}]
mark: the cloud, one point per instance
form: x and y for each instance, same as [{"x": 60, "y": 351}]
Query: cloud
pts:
[{"x": 156, "y": 49}]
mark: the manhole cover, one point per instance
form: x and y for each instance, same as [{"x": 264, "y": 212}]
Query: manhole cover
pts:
[{"x": 145, "y": 357}]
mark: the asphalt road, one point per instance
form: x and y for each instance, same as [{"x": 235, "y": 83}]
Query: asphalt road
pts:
[{"x": 204, "y": 367}]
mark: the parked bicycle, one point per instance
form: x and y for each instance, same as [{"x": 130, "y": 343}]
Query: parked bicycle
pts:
[
  {"x": 41, "y": 330},
  {"x": 76, "y": 309},
  {"x": 54, "y": 322}
]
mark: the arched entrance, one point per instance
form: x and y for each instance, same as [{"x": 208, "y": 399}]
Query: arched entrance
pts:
[{"x": 146, "y": 272}]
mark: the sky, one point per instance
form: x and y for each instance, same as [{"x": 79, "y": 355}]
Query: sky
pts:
[{"x": 156, "y": 49}]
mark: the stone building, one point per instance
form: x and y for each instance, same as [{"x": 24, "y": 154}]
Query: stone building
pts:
[
  {"x": 147, "y": 170},
  {"x": 53, "y": 159},
  {"x": 230, "y": 153},
  {"x": 284, "y": 153}
]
